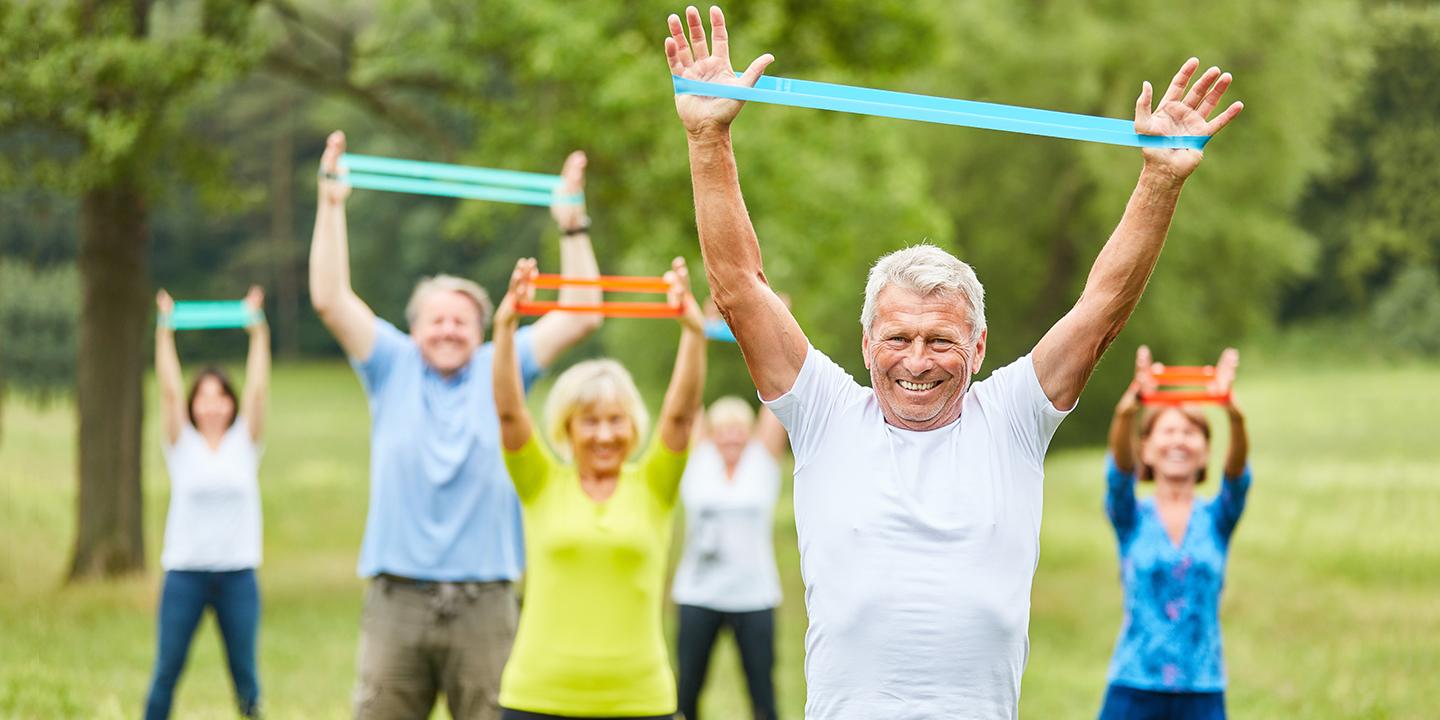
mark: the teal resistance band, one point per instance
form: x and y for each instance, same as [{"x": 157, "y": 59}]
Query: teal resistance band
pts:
[
  {"x": 210, "y": 315},
  {"x": 426, "y": 178},
  {"x": 717, "y": 330},
  {"x": 946, "y": 111}
]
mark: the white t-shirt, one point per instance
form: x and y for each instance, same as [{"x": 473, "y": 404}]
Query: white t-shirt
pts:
[
  {"x": 918, "y": 549},
  {"x": 214, "y": 518},
  {"x": 729, "y": 558}
]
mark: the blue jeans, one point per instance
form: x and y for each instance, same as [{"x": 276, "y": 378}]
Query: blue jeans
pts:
[
  {"x": 236, "y": 600},
  {"x": 1126, "y": 703}
]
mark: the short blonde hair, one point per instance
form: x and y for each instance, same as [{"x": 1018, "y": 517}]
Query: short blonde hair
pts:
[
  {"x": 730, "y": 410},
  {"x": 586, "y": 383},
  {"x": 448, "y": 283}
]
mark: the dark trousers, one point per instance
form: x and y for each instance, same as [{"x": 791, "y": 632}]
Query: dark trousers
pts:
[
  {"x": 754, "y": 634},
  {"x": 235, "y": 598},
  {"x": 1125, "y": 703}
]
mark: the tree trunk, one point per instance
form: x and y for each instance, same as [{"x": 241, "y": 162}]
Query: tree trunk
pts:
[{"x": 113, "y": 322}]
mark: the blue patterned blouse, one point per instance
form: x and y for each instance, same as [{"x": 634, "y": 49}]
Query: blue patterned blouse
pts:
[{"x": 1170, "y": 640}]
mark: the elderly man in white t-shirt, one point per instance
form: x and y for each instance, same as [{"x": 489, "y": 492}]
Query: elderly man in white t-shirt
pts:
[{"x": 917, "y": 500}]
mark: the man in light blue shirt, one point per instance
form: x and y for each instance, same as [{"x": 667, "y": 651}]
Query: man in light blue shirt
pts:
[{"x": 443, "y": 539}]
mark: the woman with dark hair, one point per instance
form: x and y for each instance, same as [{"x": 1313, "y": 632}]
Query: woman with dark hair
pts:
[
  {"x": 1173, "y": 548},
  {"x": 212, "y": 530}
]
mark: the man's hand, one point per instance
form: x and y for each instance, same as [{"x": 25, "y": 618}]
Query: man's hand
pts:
[
  {"x": 692, "y": 59},
  {"x": 568, "y": 214},
  {"x": 1183, "y": 113},
  {"x": 333, "y": 190}
]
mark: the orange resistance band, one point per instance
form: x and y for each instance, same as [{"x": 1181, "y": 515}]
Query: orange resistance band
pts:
[
  {"x": 1182, "y": 376},
  {"x": 610, "y": 283}
]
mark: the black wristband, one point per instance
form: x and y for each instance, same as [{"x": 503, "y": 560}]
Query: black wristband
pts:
[{"x": 580, "y": 229}]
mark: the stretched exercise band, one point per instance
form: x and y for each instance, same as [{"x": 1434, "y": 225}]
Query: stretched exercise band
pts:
[
  {"x": 611, "y": 283},
  {"x": 1180, "y": 376},
  {"x": 210, "y": 315},
  {"x": 946, "y": 111},
  {"x": 716, "y": 329},
  {"x": 427, "y": 178}
]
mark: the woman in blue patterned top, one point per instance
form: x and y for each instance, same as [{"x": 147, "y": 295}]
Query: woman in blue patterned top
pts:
[{"x": 1173, "y": 547}]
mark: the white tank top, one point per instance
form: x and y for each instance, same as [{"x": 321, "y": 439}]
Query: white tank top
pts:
[
  {"x": 729, "y": 558},
  {"x": 214, "y": 517}
]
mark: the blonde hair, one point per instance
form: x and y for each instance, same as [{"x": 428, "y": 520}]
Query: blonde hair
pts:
[
  {"x": 587, "y": 383},
  {"x": 730, "y": 410},
  {"x": 925, "y": 269},
  {"x": 448, "y": 283}
]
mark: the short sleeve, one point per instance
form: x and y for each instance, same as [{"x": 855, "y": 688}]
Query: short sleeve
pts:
[
  {"x": 390, "y": 344},
  {"x": 662, "y": 469},
  {"x": 1120, "y": 503},
  {"x": 1030, "y": 416},
  {"x": 530, "y": 369},
  {"x": 529, "y": 467},
  {"x": 1230, "y": 503},
  {"x": 821, "y": 389}
]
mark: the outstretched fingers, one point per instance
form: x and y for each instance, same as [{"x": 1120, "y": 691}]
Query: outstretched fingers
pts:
[
  {"x": 718, "y": 35},
  {"x": 756, "y": 69},
  {"x": 677, "y": 47},
  {"x": 697, "y": 34},
  {"x": 1201, "y": 88},
  {"x": 1181, "y": 79},
  {"x": 1212, "y": 98},
  {"x": 1224, "y": 118}
]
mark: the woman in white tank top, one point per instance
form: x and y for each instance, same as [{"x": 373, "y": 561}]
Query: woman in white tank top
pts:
[
  {"x": 212, "y": 529},
  {"x": 727, "y": 575}
]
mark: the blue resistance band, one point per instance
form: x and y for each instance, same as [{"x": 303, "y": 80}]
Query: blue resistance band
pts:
[
  {"x": 717, "y": 330},
  {"x": 210, "y": 315},
  {"x": 426, "y": 178},
  {"x": 946, "y": 111}
]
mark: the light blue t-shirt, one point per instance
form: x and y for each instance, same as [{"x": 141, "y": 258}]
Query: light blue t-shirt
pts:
[
  {"x": 1170, "y": 640},
  {"x": 441, "y": 504}
]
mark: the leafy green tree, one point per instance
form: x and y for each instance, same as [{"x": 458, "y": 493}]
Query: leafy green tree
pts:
[
  {"x": 101, "y": 88},
  {"x": 38, "y": 316}
]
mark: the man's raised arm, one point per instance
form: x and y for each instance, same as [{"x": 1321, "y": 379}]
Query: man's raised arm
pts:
[
  {"x": 771, "y": 340},
  {"x": 1068, "y": 353},
  {"x": 348, "y": 318}
]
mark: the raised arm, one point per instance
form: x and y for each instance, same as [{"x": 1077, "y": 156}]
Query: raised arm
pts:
[
  {"x": 1239, "y": 453},
  {"x": 509, "y": 388},
  {"x": 348, "y": 318},
  {"x": 1122, "y": 425},
  {"x": 771, "y": 340},
  {"x": 167, "y": 371},
  {"x": 771, "y": 433},
  {"x": 257, "y": 368},
  {"x": 1066, "y": 356},
  {"x": 681, "y": 409},
  {"x": 559, "y": 331}
]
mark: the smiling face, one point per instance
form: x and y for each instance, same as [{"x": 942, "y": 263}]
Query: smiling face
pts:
[
  {"x": 447, "y": 329},
  {"x": 602, "y": 434},
  {"x": 1175, "y": 447},
  {"x": 921, "y": 357},
  {"x": 212, "y": 408},
  {"x": 730, "y": 439}
]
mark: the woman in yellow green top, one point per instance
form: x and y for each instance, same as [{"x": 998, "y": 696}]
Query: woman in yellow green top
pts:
[{"x": 597, "y": 528}]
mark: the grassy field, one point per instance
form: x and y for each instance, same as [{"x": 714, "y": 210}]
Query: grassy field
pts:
[{"x": 1332, "y": 608}]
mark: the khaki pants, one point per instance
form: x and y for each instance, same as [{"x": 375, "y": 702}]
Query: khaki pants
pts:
[{"x": 418, "y": 640}]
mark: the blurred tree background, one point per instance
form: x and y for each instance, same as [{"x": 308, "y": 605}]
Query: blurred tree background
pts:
[{"x": 1314, "y": 209}]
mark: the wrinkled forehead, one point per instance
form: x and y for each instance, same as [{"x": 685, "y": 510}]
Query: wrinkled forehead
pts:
[
  {"x": 446, "y": 304},
  {"x": 899, "y": 308}
]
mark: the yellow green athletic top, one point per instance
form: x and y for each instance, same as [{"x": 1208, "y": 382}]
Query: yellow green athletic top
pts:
[{"x": 590, "y": 641}]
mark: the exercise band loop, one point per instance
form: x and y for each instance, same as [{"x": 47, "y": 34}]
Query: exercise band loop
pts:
[
  {"x": 946, "y": 111},
  {"x": 371, "y": 172}
]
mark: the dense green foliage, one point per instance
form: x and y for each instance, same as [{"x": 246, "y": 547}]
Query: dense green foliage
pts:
[
  {"x": 1321, "y": 187},
  {"x": 38, "y": 313},
  {"x": 1329, "y": 609}
]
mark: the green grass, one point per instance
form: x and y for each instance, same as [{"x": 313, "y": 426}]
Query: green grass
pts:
[{"x": 1332, "y": 608}]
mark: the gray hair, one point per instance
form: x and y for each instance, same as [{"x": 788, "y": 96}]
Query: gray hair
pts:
[
  {"x": 926, "y": 269},
  {"x": 448, "y": 283}
]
